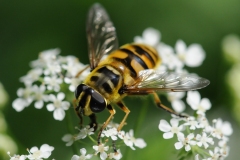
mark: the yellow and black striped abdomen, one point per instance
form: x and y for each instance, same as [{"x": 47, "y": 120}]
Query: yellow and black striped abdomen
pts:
[
  {"x": 130, "y": 59},
  {"x": 120, "y": 68}
]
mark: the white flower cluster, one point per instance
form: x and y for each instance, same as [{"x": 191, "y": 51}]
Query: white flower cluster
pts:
[
  {"x": 34, "y": 153},
  {"x": 44, "y": 83},
  {"x": 193, "y": 133},
  {"x": 109, "y": 133}
]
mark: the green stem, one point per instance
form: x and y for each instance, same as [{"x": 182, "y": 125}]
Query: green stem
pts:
[
  {"x": 70, "y": 129},
  {"x": 142, "y": 116},
  {"x": 140, "y": 119},
  {"x": 92, "y": 139}
]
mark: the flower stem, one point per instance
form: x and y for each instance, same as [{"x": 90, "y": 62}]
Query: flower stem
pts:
[
  {"x": 139, "y": 121},
  {"x": 142, "y": 116},
  {"x": 70, "y": 127}
]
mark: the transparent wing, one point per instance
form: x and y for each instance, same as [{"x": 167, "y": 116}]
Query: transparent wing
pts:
[
  {"x": 101, "y": 34},
  {"x": 151, "y": 80}
]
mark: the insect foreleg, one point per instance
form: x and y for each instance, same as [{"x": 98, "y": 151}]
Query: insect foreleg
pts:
[
  {"x": 93, "y": 122},
  {"x": 81, "y": 71},
  {"x": 112, "y": 112},
  {"x": 76, "y": 108}
]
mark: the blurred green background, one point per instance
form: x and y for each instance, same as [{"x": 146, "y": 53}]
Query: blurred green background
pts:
[{"x": 30, "y": 26}]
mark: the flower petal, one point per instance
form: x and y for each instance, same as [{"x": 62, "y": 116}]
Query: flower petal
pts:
[
  {"x": 50, "y": 107},
  {"x": 38, "y": 104},
  {"x": 178, "y": 106},
  {"x": 151, "y": 36},
  {"x": 60, "y": 96},
  {"x": 83, "y": 151},
  {"x": 140, "y": 143},
  {"x": 178, "y": 145},
  {"x": 205, "y": 103},
  {"x": 195, "y": 55},
  {"x": 168, "y": 135},
  {"x": 180, "y": 47},
  {"x": 59, "y": 114},
  {"x": 164, "y": 126},
  {"x": 75, "y": 157},
  {"x": 103, "y": 155}
]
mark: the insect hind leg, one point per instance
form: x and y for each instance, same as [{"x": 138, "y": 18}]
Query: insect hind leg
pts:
[
  {"x": 160, "y": 105},
  {"x": 124, "y": 109}
]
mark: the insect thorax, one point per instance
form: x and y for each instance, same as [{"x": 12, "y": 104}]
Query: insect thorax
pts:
[{"x": 107, "y": 81}]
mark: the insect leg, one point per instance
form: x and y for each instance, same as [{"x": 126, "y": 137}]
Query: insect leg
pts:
[
  {"x": 76, "y": 108},
  {"x": 81, "y": 71},
  {"x": 93, "y": 122},
  {"x": 126, "y": 110},
  {"x": 160, "y": 105},
  {"x": 112, "y": 112}
]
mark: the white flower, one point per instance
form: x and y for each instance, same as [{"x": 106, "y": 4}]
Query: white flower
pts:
[
  {"x": 192, "y": 123},
  {"x": 72, "y": 65},
  {"x": 69, "y": 139},
  {"x": 196, "y": 103},
  {"x": 138, "y": 142},
  {"x": 170, "y": 130},
  {"x": 196, "y": 157},
  {"x": 116, "y": 155},
  {"x": 175, "y": 99},
  {"x": 126, "y": 139},
  {"x": 224, "y": 150},
  {"x": 44, "y": 152},
  {"x": 32, "y": 76},
  {"x": 150, "y": 36},
  {"x": 203, "y": 123},
  {"x": 112, "y": 124},
  {"x": 84, "y": 132},
  {"x": 74, "y": 82},
  {"x": 222, "y": 129},
  {"x": 83, "y": 155},
  {"x": 19, "y": 104},
  {"x": 214, "y": 155},
  {"x": 53, "y": 83},
  {"x": 130, "y": 140},
  {"x": 169, "y": 58},
  {"x": 185, "y": 141},
  {"x": 24, "y": 100},
  {"x": 58, "y": 106},
  {"x": 192, "y": 56},
  {"x": 204, "y": 140},
  {"x": 17, "y": 157},
  {"x": 52, "y": 68},
  {"x": 101, "y": 149},
  {"x": 45, "y": 57},
  {"x": 112, "y": 132},
  {"x": 39, "y": 96}
]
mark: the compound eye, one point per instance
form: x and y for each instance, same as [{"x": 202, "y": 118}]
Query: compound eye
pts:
[
  {"x": 97, "y": 102},
  {"x": 80, "y": 88}
]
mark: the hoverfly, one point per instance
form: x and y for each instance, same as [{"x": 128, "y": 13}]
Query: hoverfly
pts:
[{"x": 128, "y": 70}]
